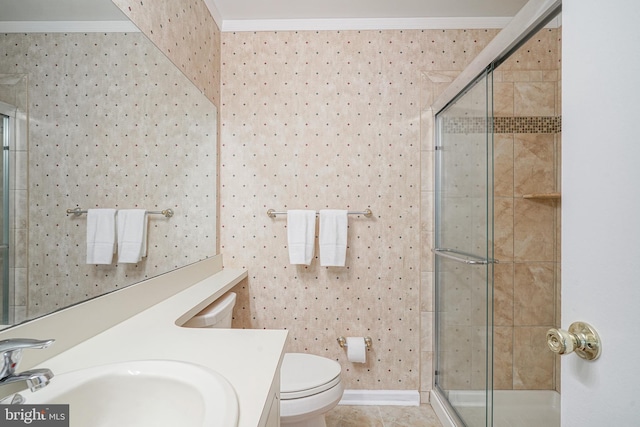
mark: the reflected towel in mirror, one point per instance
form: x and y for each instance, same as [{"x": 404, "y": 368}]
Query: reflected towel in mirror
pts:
[
  {"x": 132, "y": 235},
  {"x": 101, "y": 235}
]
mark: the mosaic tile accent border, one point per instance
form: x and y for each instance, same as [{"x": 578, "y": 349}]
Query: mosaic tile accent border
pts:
[
  {"x": 548, "y": 124},
  {"x": 532, "y": 124}
]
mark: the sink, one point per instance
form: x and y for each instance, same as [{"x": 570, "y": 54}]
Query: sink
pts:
[{"x": 143, "y": 393}]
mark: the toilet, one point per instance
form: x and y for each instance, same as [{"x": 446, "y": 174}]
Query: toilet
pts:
[
  {"x": 310, "y": 385},
  {"x": 218, "y": 314}
]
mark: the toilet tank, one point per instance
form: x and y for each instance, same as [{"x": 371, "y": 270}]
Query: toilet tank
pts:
[{"x": 218, "y": 314}]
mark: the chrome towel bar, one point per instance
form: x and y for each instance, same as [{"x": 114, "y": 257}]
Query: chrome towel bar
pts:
[
  {"x": 168, "y": 213},
  {"x": 367, "y": 212}
]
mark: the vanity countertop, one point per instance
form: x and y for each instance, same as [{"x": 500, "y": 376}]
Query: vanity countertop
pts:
[{"x": 248, "y": 358}]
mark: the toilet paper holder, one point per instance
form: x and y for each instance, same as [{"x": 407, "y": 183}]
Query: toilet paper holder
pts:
[{"x": 342, "y": 341}]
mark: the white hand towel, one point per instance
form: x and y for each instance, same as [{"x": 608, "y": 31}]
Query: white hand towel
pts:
[
  {"x": 132, "y": 235},
  {"x": 333, "y": 237},
  {"x": 101, "y": 235},
  {"x": 301, "y": 232}
]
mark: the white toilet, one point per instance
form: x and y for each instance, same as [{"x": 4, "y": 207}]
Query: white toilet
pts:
[{"x": 310, "y": 385}]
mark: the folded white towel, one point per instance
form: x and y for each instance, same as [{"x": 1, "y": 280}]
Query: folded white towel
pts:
[
  {"x": 132, "y": 235},
  {"x": 333, "y": 237},
  {"x": 101, "y": 235},
  {"x": 301, "y": 231}
]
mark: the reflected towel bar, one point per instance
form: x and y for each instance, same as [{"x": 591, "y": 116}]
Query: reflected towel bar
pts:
[
  {"x": 168, "y": 213},
  {"x": 463, "y": 257},
  {"x": 367, "y": 212}
]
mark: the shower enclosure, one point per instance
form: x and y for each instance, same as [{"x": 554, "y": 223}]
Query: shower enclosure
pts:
[
  {"x": 7, "y": 131},
  {"x": 496, "y": 245},
  {"x": 464, "y": 252},
  {"x": 14, "y": 191}
]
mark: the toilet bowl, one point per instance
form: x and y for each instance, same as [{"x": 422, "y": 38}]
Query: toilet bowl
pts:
[{"x": 310, "y": 385}]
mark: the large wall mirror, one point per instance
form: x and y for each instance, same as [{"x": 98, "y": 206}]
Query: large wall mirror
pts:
[{"x": 95, "y": 116}]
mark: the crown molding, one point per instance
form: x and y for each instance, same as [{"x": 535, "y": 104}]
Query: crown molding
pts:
[
  {"x": 230, "y": 25},
  {"x": 215, "y": 13},
  {"x": 68, "y": 27}
]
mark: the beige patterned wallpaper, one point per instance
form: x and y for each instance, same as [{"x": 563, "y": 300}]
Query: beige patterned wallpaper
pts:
[
  {"x": 331, "y": 119},
  {"x": 185, "y": 31},
  {"x": 315, "y": 120},
  {"x": 112, "y": 123}
]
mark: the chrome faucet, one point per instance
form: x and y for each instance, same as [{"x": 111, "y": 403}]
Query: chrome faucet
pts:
[{"x": 12, "y": 382}]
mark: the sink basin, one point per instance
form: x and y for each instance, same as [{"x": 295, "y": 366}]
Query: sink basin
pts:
[{"x": 154, "y": 393}]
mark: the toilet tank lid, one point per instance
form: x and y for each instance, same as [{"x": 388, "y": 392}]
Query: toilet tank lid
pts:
[
  {"x": 302, "y": 371},
  {"x": 215, "y": 311}
]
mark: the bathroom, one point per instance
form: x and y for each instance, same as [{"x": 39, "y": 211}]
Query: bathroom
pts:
[{"x": 310, "y": 104}]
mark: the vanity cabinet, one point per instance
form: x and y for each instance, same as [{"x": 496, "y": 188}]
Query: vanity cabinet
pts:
[
  {"x": 271, "y": 414},
  {"x": 146, "y": 330},
  {"x": 273, "y": 419}
]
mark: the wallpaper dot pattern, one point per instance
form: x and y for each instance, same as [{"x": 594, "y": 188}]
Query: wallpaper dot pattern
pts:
[
  {"x": 185, "y": 31},
  {"x": 112, "y": 124},
  {"x": 314, "y": 120}
]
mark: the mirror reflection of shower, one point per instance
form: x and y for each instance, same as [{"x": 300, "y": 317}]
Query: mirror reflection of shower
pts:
[
  {"x": 13, "y": 190},
  {"x": 5, "y": 125}
]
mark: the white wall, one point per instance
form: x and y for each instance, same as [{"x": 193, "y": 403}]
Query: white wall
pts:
[{"x": 601, "y": 207}]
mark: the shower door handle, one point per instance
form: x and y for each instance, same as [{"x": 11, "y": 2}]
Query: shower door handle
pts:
[
  {"x": 463, "y": 257},
  {"x": 4, "y": 246}
]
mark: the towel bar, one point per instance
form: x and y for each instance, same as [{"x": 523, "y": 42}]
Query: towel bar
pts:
[
  {"x": 367, "y": 212},
  {"x": 166, "y": 212}
]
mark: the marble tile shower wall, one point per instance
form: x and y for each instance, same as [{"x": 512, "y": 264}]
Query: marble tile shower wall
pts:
[
  {"x": 119, "y": 144},
  {"x": 527, "y": 230},
  {"x": 331, "y": 119}
]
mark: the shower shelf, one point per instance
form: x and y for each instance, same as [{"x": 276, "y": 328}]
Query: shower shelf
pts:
[{"x": 554, "y": 196}]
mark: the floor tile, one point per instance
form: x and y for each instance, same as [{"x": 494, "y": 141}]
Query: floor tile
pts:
[{"x": 382, "y": 416}]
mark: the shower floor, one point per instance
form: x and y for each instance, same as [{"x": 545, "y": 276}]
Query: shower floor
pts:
[{"x": 511, "y": 408}]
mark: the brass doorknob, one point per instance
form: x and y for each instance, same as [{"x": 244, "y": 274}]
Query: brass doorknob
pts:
[{"x": 581, "y": 338}]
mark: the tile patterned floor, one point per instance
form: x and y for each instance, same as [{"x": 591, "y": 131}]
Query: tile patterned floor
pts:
[{"x": 382, "y": 416}]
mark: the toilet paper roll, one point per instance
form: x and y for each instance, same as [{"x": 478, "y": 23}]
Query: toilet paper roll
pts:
[{"x": 356, "y": 350}]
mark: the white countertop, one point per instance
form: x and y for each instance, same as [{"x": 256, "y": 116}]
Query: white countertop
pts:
[{"x": 247, "y": 358}]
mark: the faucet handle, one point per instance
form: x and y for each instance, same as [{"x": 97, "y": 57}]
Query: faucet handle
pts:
[
  {"x": 20, "y": 343},
  {"x": 11, "y": 353}
]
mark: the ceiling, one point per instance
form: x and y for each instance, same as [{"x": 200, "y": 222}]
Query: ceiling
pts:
[
  {"x": 257, "y": 15},
  {"x": 331, "y": 9},
  {"x": 59, "y": 10},
  {"x": 235, "y": 15}
]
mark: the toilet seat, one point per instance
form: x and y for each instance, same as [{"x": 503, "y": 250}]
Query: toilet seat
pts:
[{"x": 304, "y": 375}]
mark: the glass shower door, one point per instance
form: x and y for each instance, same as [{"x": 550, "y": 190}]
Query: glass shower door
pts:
[{"x": 464, "y": 254}]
